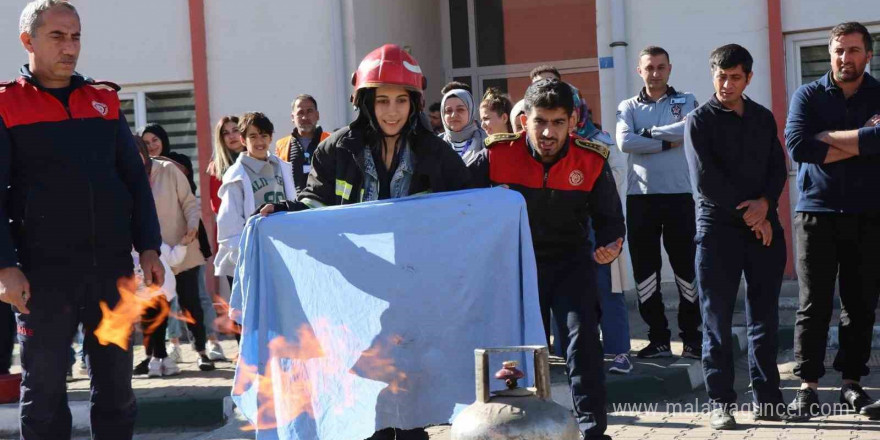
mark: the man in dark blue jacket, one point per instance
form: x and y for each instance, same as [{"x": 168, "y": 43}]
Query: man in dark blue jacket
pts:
[
  {"x": 74, "y": 199},
  {"x": 737, "y": 167},
  {"x": 833, "y": 134}
]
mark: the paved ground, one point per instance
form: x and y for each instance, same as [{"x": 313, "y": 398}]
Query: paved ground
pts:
[
  {"x": 190, "y": 382},
  {"x": 164, "y": 399}
]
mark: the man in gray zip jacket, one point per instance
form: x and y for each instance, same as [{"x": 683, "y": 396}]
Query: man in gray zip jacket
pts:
[{"x": 659, "y": 202}]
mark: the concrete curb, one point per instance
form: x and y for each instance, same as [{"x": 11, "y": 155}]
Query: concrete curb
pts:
[
  {"x": 681, "y": 377},
  {"x": 834, "y": 337},
  {"x": 204, "y": 411}
]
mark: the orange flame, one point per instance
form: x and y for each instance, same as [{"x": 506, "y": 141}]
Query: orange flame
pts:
[
  {"x": 223, "y": 323},
  {"x": 117, "y": 324},
  {"x": 293, "y": 365},
  {"x": 184, "y": 316}
]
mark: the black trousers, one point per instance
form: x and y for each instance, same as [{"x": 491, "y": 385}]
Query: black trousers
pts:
[
  {"x": 568, "y": 288},
  {"x": 724, "y": 253},
  {"x": 188, "y": 298},
  {"x": 154, "y": 342},
  {"x": 57, "y": 306},
  {"x": 671, "y": 217},
  {"x": 7, "y": 337},
  {"x": 841, "y": 247}
]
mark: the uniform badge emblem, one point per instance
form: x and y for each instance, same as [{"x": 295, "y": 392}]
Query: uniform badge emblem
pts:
[
  {"x": 100, "y": 107},
  {"x": 576, "y": 178},
  {"x": 676, "y": 112}
]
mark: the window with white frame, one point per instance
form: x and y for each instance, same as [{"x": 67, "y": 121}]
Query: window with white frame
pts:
[
  {"x": 808, "y": 58},
  {"x": 172, "y": 107}
]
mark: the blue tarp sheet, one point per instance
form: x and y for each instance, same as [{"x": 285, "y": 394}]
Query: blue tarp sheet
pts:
[{"x": 363, "y": 317}]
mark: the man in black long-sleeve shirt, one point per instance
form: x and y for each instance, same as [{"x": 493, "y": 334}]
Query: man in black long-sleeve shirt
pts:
[{"x": 738, "y": 170}]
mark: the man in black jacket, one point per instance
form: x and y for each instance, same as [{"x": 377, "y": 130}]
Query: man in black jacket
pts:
[
  {"x": 74, "y": 199},
  {"x": 566, "y": 183},
  {"x": 737, "y": 167}
]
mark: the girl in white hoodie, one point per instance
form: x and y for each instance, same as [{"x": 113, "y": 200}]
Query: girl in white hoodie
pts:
[{"x": 256, "y": 178}]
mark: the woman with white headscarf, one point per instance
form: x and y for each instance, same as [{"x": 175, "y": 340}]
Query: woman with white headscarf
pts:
[{"x": 459, "y": 121}]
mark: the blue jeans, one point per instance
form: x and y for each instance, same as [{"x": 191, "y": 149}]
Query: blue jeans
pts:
[
  {"x": 614, "y": 317},
  {"x": 174, "y": 328}
]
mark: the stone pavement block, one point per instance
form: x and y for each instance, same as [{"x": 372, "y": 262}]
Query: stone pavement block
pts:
[{"x": 629, "y": 435}]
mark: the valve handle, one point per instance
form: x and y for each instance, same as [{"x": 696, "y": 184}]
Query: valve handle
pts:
[{"x": 542, "y": 370}]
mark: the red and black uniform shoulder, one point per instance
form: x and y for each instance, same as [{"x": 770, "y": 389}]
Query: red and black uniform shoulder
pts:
[
  {"x": 22, "y": 102},
  {"x": 511, "y": 163},
  {"x": 562, "y": 197}
]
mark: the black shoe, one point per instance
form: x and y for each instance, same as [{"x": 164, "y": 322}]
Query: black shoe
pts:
[
  {"x": 692, "y": 351},
  {"x": 205, "y": 364},
  {"x": 857, "y": 399},
  {"x": 143, "y": 367},
  {"x": 655, "y": 351},
  {"x": 805, "y": 404},
  {"x": 722, "y": 419}
]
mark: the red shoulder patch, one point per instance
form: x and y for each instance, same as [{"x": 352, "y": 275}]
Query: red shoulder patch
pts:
[
  {"x": 511, "y": 163},
  {"x": 22, "y": 103},
  {"x": 94, "y": 101}
]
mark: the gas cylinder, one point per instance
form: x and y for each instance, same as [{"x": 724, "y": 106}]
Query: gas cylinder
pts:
[{"x": 514, "y": 413}]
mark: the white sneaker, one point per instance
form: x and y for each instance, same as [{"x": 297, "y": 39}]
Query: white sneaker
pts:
[
  {"x": 154, "y": 369},
  {"x": 174, "y": 352},
  {"x": 169, "y": 367},
  {"x": 214, "y": 351}
]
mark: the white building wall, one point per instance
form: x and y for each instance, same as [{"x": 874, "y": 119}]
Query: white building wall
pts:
[
  {"x": 804, "y": 15},
  {"x": 263, "y": 53},
  {"x": 689, "y": 30},
  {"x": 124, "y": 42},
  {"x": 606, "y": 76},
  {"x": 405, "y": 23}
]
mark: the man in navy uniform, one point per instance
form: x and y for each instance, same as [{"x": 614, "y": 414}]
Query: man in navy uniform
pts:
[{"x": 566, "y": 182}]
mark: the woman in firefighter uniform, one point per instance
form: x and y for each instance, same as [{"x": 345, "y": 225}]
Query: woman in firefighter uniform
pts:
[{"x": 387, "y": 152}]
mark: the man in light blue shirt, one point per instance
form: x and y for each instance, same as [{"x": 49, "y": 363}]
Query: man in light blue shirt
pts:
[{"x": 659, "y": 203}]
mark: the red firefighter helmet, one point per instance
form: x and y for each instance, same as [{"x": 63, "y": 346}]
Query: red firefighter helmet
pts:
[{"x": 388, "y": 65}]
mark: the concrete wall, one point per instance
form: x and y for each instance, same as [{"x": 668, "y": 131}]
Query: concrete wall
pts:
[
  {"x": 690, "y": 40},
  {"x": 803, "y": 15},
  {"x": 125, "y": 42},
  {"x": 263, "y": 53},
  {"x": 414, "y": 23}
]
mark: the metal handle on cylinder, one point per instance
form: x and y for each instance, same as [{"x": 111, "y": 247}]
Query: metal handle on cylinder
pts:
[{"x": 542, "y": 369}]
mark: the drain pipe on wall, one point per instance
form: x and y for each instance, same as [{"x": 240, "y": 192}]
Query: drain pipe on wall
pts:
[{"x": 618, "y": 50}]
